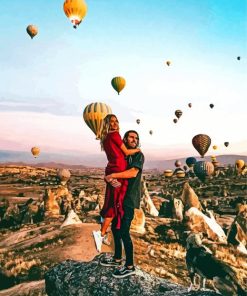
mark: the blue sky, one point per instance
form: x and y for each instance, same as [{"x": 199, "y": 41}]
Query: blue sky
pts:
[{"x": 46, "y": 82}]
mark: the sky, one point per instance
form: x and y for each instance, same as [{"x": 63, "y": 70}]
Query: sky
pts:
[{"x": 46, "y": 82}]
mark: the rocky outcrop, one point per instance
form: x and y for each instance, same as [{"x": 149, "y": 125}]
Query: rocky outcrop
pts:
[
  {"x": 189, "y": 198},
  {"x": 138, "y": 223},
  {"x": 196, "y": 221},
  {"x": 148, "y": 203},
  {"x": 91, "y": 279},
  {"x": 237, "y": 234}
]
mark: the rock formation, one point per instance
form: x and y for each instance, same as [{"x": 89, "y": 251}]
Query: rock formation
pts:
[{"x": 91, "y": 279}]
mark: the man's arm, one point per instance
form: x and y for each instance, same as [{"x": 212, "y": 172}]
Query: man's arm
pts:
[{"x": 131, "y": 173}]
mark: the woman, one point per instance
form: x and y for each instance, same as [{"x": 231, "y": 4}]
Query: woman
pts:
[{"x": 116, "y": 151}]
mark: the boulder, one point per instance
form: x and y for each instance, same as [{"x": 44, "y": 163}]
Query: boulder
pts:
[
  {"x": 237, "y": 234},
  {"x": 138, "y": 223},
  {"x": 196, "y": 221},
  {"x": 71, "y": 219},
  {"x": 148, "y": 203},
  {"x": 189, "y": 198},
  {"x": 91, "y": 279}
]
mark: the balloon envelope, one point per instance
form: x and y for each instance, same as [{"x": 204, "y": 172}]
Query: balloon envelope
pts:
[
  {"x": 35, "y": 151},
  {"x": 118, "y": 83},
  {"x": 178, "y": 163},
  {"x": 239, "y": 163},
  {"x": 211, "y": 106},
  {"x": 215, "y": 147},
  {"x": 190, "y": 161},
  {"x": 151, "y": 132},
  {"x": 168, "y": 63},
  {"x": 138, "y": 121},
  {"x": 32, "y": 30},
  {"x": 226, "y": 144},
  {"x": 202, "y": 169},
  {"x": 178, "y": 113},
  {"x": 175, "y": 120},
  {"x": 190, "y": 105},
  {"x": 63, "y": 175},
  {"x": 201, "y": 143},
  {"x": 94, "y": 114},
  {"x": 75, "y": 10}
]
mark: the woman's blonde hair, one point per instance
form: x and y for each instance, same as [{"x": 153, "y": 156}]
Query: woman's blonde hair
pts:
[{"x": 105, "y": 129}]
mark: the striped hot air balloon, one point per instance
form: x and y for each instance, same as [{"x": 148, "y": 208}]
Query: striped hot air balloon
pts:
[
  {"x": 94, "y": 114},
  {"x": 118, "y": 83},
  {"x": 202, "y": 169},
  {"x": 201, "y": 143},
  {"x": 35, "y": 151}
]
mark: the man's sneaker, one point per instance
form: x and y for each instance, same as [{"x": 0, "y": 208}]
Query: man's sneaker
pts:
[
  {"x": 105, "y": 240},
  {"x": 98, "y": 239},
  {"x": 109, "y": 261},
  {"x": 123, "y": 272}
]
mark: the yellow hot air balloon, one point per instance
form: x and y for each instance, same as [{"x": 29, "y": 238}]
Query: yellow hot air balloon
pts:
[
  {"x": 32, "y": 30},
  {"x": 239, "y": 163},
  {"x": 75, "y": 10},
  {"x": 35, "y": 151},
  {"x": 215, "y": 147},
  {"x": 94, "y": 114},
  {"x": 118, "y": 83}
]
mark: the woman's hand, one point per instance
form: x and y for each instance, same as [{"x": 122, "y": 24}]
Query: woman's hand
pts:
[{"x": 112, "y": 181}]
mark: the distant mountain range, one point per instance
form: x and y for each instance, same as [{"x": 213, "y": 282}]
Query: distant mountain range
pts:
[{"x": 73, "y": 161}]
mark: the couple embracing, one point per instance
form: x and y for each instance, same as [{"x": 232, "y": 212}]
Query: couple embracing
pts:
[{"x": 123, "y": 193}]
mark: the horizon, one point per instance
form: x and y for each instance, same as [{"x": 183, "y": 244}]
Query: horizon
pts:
[{"x": 47, "y": 81}]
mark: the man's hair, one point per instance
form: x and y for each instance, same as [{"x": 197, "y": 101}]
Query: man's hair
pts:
[{"x": 127, "y": 134}]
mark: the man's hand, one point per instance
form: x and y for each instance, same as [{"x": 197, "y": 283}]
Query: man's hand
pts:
[{"x": 112, "y": 181}]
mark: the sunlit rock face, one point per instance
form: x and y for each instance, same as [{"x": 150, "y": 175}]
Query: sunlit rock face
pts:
[
  {"x": 196, "y": 221},
  {"x": 189, "y": 197},
  {"x": 138, "y": 223},
  {"x": 237, "y": 234}
]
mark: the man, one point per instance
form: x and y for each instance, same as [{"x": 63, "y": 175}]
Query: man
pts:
[{"x": 132, "y": 200}]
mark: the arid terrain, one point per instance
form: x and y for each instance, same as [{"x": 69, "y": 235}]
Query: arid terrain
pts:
[{"x": 32, "y": 242}]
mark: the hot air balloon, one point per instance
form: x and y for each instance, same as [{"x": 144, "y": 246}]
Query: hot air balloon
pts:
[
  {"x": 180, "y": 174},
  {"x": 190, "y": 105},
  {"x": 226, "y": 144},
  {"x": 151, "y": 132},
  {"x": 215, "y": 147},
  {"x": 75, "y": 10},
  {"x": 138, "y": 121},
  {"x": 201, "y": 143},
  {"x": 202, "y": 169},
  {"x": 177, "y": 163},
  {"x": 35, "y": 151},
  {"x": 94, "y": 114},
  {"x": 168, "y": 63},
  {"x": 168, "y": 173},
  {"x": 213, "y": 158},
  {"x": 178, "y": 113},
  {"x": 63, "y": 175},
  {"x": 211, "y": 106},
  {"x": 175, "y": 120},
  {"x": 118, "y": 83},
  {"x": 190, "y": 161},
  {"x": 32, "y": 30},
  {"x": 185, "y": 167},
  {"x": 238, "y": 58},
  {"x": 239, "y": 163}
]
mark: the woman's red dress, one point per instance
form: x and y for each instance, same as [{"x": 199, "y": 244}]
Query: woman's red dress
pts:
[{"x": 113, "y": 205}]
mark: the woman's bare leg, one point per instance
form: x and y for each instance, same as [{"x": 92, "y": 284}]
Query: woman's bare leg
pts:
[{"x": 107, "y": 221}]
